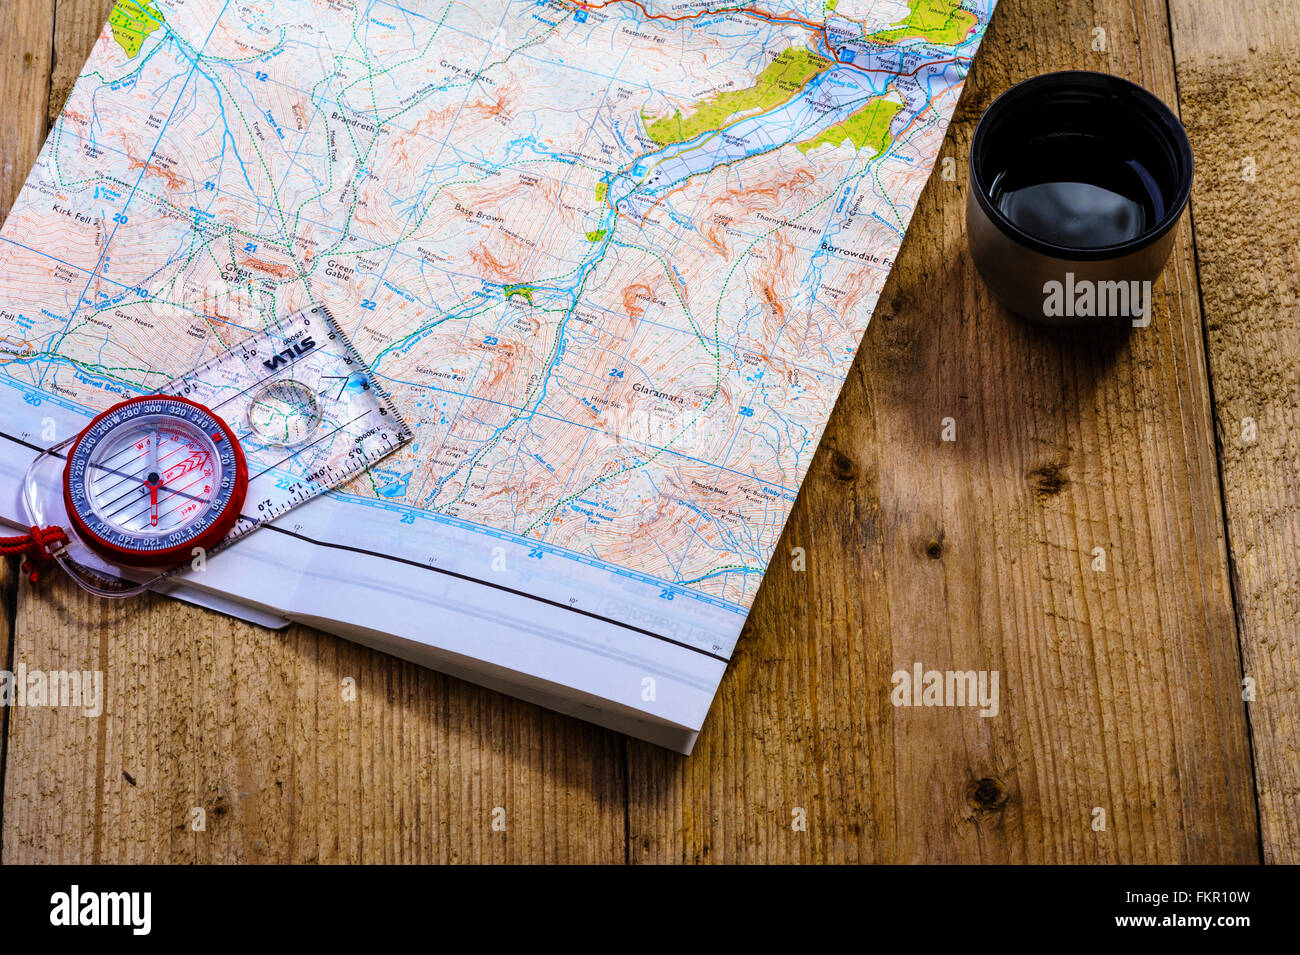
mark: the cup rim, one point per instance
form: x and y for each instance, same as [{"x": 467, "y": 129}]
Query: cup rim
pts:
[{"x": 1116, "y": 86}]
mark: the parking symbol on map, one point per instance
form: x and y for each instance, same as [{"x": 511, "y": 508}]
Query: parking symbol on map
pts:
[
  {"x": 638, "y": 170},
  {"x": 848, "y": 56},
  {"x": 580, "y": 16}
]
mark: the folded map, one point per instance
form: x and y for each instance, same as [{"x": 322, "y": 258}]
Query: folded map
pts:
[{"x": 612, "y": 259}]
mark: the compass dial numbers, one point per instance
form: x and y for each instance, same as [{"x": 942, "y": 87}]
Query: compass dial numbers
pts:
[{"x": 153, "y": 477}]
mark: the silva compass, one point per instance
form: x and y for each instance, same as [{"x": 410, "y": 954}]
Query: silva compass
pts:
[
  {"x": 154, "y": 486},
  {"x": 153, "y": 478}
]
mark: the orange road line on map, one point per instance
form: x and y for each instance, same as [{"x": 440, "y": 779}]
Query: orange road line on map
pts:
[
  {"x": 751, "y": 11},
  {"x": 761, "y": 15}
]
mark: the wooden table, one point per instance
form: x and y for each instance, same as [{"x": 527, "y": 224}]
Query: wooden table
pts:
[{"x": 1175, "y": 451}]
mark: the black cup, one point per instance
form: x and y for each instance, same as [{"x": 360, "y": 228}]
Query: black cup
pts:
[{"x": 1077, "y": 181}]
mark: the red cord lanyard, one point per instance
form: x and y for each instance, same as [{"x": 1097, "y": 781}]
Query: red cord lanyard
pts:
[{"x": 38, "y": 547}]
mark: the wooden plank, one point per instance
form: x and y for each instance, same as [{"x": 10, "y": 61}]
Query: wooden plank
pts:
[
  {"x": 1119, "y": 688},
  {"x": 8, "y": 598},
  {"x": 967, "y": 555},
  {"x": 26, "y": 41},
  {"x": 25, "y": 57},
  {"x": 252, "y": 727},
  {"x": 78, "y": 24},
  {"x": 1236, "y": 74},
  {"x": 8, "y": 601}
]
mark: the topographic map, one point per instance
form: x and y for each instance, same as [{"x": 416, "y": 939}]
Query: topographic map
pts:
[{"x": 613, "y": 259}]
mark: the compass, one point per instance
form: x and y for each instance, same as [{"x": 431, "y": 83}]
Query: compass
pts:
[{"x": 152, "y": 478}]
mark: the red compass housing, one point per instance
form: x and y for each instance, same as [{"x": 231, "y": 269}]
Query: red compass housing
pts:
[{"x": 153, "y": 479}]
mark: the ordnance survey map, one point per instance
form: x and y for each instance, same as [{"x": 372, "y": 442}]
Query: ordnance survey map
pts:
[{"x": 612, "y": 259}]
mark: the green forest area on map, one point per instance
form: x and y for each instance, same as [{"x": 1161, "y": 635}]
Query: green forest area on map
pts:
[
  {"x": 789, "y": 73},
  {"x": 869, "y": 126},
  {"x": 942, "y": 22},
  {"x": 132, "y": 21}
]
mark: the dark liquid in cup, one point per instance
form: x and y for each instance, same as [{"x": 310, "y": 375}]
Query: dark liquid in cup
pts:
[{"x": 1076, "y": 192}]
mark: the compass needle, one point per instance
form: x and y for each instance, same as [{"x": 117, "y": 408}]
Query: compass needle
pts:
[
  {"x": 186, "y": 499},
  {"x": 128, "y": 495},
  {"x": 103, "y": 468},
  {"x": 153, "y": 478}
]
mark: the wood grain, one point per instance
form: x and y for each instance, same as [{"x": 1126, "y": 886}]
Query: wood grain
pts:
[
  {"x": 1241, "y": 103},
  {"x": 77, "y": 25},
  {"x": 1119, "y": 688},
  {"x": 8, "y": 602},
  {"x": 26, "y": 42},
  {"x": 254, "y": 728}
]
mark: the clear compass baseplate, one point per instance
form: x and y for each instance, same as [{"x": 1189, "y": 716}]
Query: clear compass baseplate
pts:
[{"x": 157, "y": 480}]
